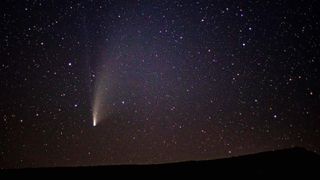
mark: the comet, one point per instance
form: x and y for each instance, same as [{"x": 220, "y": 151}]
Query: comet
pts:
[
  {"x": 94, "y": 121},
  {"x": 102, "y": 93},
  {"x": 98, "y": 103},
  {"x": 100, "y": 97}
]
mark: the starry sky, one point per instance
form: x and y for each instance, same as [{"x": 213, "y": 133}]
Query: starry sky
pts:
[{"x": 167, "y": 80}]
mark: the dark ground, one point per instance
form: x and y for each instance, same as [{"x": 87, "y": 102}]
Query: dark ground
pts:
[{"x": 288, "y": 162}]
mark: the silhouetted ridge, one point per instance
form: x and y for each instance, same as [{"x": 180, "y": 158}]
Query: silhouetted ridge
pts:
[{"x": 287, "y": 161}]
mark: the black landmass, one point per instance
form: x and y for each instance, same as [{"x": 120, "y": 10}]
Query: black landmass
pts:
[{"x": 287, "y": 162}]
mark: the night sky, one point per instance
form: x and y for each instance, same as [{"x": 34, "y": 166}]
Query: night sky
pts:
[{"x": 118, "y": 82}]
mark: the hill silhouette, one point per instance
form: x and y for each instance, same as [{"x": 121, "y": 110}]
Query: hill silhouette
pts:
[{"x": 295, "y": 161}]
